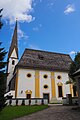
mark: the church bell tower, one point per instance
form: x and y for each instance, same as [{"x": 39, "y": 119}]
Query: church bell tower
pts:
[{"x": 12, "y": 56}]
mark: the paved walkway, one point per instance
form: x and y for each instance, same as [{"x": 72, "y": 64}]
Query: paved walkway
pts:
[{"x": 54, "y": 112}]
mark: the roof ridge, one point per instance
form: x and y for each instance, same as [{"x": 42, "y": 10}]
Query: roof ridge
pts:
[{"x": 46, "y": 51}]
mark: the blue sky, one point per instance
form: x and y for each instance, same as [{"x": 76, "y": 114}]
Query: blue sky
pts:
[{"x": 52, "y": 25}]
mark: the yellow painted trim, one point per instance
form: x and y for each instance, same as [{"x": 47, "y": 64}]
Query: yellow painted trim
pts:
[
  {"x": 37, "y": 84},
  {"x": 71, "y": 89},
  {"x": 53, "y": 85},
  {"x": 16, "y": 84},
  {"x": 28, "y": 92},
  {"x": 59, "y": 84},
  {"x": 76, "y": 94}
]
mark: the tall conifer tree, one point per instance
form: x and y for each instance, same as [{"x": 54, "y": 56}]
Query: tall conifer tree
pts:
[{"x": 2, "y": 72}]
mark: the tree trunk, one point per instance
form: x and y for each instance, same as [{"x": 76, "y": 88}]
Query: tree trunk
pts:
[{"x": 78, "y": 89}]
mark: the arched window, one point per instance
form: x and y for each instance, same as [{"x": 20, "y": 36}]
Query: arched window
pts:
[
  {"x": 74, "y": 91},
  {"x": 60, "y": 90},
  {"x": 13, "y": 62}
]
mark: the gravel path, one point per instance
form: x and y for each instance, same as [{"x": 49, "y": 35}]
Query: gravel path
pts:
[{"x": 54, "y": 112}]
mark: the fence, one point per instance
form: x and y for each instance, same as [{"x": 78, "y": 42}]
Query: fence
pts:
[
  {"x": 23, "y": 101},
  {"x": 70, "y": 101}
]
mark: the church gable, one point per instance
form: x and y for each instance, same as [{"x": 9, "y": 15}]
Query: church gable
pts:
[
  {"x": 36, "y": 59},
  {"x": 14, "y": 54}
]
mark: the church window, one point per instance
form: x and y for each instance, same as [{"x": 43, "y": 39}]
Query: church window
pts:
[
  {"x": 59, "y": 77},
  {"x": 45, "y": 76},
  {"x": 60, "y": 91},
  {"x": 28, "y": 96},
  {"x": 46, "y": 86},
  {"x": 29, "y": 75},
  {"x": 74, "y": 90},
  {"x": 13, "y": 62},
  {"x": 40, "y": 57}
]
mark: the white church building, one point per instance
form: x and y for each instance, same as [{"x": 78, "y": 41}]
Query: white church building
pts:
[{"x": 38, "y": 74}]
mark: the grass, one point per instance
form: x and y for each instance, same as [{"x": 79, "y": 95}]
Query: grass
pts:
[{"x": 11, "y": 112}]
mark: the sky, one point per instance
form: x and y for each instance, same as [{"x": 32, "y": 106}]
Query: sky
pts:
[{"x": 50, "y": 25}]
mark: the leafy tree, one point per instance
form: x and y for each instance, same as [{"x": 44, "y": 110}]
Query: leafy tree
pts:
[
  {"x": 2, "y": 72},
  {"x": 75, "y": 65}
]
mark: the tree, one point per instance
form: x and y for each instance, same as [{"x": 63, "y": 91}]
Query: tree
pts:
[
  {"x": 2, "y": 73},
  {"x": 75, "y": 65},
  {"x": 1, "y": 24}
]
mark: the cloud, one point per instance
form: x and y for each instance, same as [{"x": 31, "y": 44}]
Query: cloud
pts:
[
  {"x": 20, "y": 9},
  {"x": 69, "y": 9},
  {"x": 72, "y": 53},
  {"x": 37, "y": 27},
  {"x": 34, "y": 47},
  {"x": 21, "y": 34}
]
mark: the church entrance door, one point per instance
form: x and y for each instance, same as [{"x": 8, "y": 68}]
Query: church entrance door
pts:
[
  {"x": 46, "y": 96},
  {"x": 28, "y": 96}
]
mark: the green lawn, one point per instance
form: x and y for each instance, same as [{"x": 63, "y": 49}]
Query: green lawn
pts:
[{"x": 12, "y": 112}]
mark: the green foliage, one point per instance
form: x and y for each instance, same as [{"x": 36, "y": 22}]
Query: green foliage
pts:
[
  {"x": 11, "y": 112},
  {"x": 75, "y": 65},
  {"x": 2, "y": 73},
  {"x": 2, "y": 78}
]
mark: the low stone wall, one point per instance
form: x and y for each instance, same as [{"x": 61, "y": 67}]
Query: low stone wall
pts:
[
  {"x": 72, "y": 100},
  {"x": 22, "y": 101}
]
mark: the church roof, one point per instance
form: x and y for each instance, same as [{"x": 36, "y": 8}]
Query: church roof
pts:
[
  {"x": 43, "y": 60},
  {"x": 14, "y": 43}
]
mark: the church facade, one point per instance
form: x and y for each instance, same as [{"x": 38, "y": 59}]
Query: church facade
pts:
[{"x": 38, "y": 74}]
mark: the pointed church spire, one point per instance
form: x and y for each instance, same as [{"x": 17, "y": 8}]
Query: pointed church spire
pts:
[{"x": 14, "y": 43}]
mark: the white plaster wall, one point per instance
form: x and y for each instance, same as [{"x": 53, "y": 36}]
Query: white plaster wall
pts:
[
  {"x": 64, "y": 78},
  {"x": 43, "y": 82},
  {"x": 25, "y": 83},
  {"x": 10, "y": 66},
  {"x": 11, "y": 69}
]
